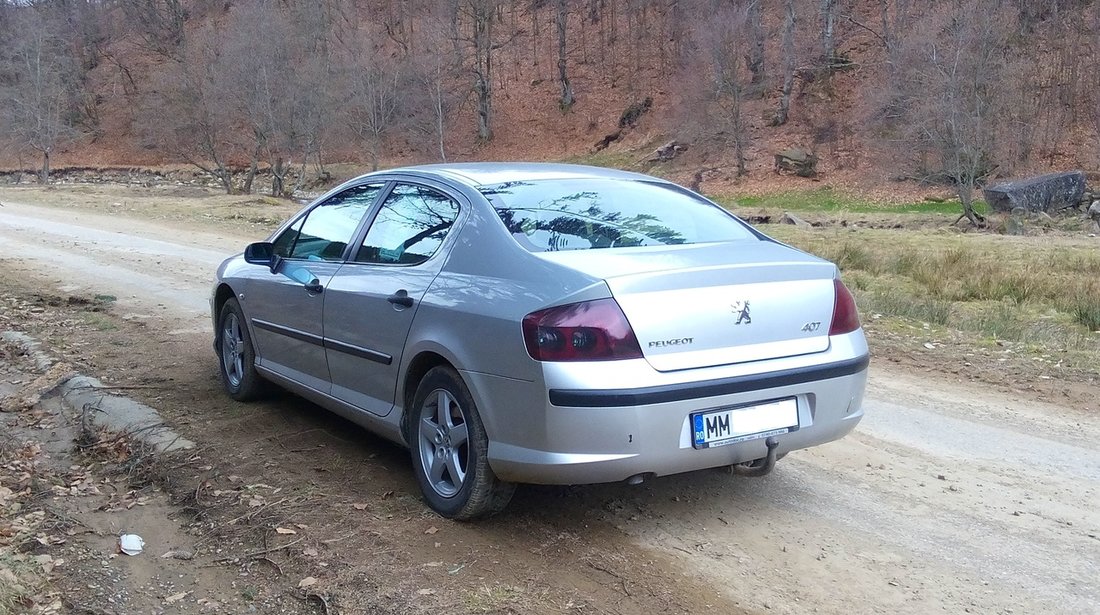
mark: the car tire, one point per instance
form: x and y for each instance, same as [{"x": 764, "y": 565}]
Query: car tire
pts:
[
  {"x": 450, "y": 450},
  {"x": 236, "y": 355}
]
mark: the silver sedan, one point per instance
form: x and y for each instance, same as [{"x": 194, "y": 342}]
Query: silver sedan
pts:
[{"x": 541, "y": 323}]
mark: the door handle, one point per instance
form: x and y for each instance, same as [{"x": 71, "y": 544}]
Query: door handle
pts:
[
  {"x": 314, "y": 287},
  {"x": 401, "y": 298}
]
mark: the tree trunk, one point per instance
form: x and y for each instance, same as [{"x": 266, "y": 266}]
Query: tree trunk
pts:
[
  {"x": 226, "y": 178},
  {"x": 253, "y": 165},
  {"x": 739, "y": 132},
  {"x": 783, "y": 113},
  {"x": 278, "y": 176},
  {"x": 562, "y": 16},
  {"x": 756, "y": 51},
  {"x": 483, "y": 85},
  {"x": 828, "y": 31},
  {"x": 44, "y": 173},
  {"x": 535, "y": 33},
  {"x": 966, "y": 197},
  {"x": 439, "y": 117}
]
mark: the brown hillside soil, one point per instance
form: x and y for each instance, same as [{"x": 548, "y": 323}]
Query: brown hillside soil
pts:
[{"x": 829, "y": 114}]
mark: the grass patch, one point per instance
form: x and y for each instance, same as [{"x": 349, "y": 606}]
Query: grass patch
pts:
[
  {"x": 932, "y": 311},
  {"x": 99, "y": 321},
  {"x": 1034, "y": 290},
  {"x": 613, "y": 159},
  {"x": 827, "y": 199},
  {"x": 1085, "y": 308}
]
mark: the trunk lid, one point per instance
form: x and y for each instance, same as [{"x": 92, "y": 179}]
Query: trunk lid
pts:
[{"x": 717, "y": 304}]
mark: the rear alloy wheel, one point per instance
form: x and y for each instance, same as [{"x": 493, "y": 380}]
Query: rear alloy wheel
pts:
[
  {"x": 449, "y": 450},
  {"x": 236, "y": 357}
]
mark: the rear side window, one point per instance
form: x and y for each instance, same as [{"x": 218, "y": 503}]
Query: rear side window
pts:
[
  {"x": 586, "y": 214},
  {"x": 325, "y": 231},
  {"x": 409, "y": 228}
]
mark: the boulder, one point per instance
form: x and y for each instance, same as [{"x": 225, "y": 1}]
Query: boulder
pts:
[
  {"x": 1050, "y": 193},
  {"x": 667, "y": 152},
  {"x": 789, "y": 218},
  {"x": 797, "y": 161}
]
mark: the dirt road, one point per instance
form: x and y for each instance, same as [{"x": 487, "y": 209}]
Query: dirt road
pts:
[{"x": 944, "y": 499}]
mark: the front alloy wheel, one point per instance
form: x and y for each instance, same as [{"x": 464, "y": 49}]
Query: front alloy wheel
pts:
[
  {"x": 232, "y": 349},
  {"x": 449, "y": 450},
  {"x": 236, "y": 356}
]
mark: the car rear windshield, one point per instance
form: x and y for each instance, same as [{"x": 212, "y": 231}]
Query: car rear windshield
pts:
[{"x": 586, "y": 214}]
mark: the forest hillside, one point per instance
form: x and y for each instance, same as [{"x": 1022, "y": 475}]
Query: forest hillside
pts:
[{"x": 952, "y": 92}]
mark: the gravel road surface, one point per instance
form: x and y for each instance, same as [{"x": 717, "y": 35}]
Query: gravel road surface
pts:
[{"x": 945, "y": 498}]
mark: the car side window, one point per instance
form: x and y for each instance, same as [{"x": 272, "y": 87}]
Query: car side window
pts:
[
  {"x": 409, "y": 228},
  {"x": 324, "y": 232}
]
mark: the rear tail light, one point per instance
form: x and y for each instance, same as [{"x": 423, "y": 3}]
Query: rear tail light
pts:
[
  {"x": 588, "y": 331},
  {"x": 845, "y": 316}
]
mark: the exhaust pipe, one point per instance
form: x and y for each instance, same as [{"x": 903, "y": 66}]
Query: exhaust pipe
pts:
[{"x": 765, "y": 468}]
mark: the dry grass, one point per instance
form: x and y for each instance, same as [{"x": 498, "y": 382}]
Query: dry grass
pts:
[{"x": 1041, "y": 291}]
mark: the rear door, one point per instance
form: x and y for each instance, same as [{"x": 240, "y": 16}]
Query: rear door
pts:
[
  {"x": 285, "y": 316},
  {"x": 371, "y": 301}
]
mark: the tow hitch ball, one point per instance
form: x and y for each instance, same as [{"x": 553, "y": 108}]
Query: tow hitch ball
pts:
[{"x": 759, "y": 467}]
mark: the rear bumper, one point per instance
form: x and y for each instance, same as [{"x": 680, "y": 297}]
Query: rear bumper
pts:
[
  {"x": 597, "y": 398},
  {"x": 610, "y": 435}
]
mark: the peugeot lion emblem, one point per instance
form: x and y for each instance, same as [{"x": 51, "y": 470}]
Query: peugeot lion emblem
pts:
[{"x": 741, "y": 308}]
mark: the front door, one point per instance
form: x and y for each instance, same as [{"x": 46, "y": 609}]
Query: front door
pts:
[
  {"x": 371, "y": 300},
  {"x": 284, "y": 309}
]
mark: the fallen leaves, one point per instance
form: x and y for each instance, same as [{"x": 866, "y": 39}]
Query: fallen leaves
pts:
[
  {"x": 285, "y": 530},
  {"x": 26, "y": 474},
  {"x": 307, "y": 582},
  {"x": 31, "y": 393}
]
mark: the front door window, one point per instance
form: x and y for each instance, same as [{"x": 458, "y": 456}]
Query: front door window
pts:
[{"x": 324, "y": 232}]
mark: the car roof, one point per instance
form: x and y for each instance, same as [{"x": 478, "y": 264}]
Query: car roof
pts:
[{"x": 491, "y": 173}]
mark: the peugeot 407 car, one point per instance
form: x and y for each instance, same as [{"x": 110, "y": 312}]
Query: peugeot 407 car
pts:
[{"x": 538, "y": 323}]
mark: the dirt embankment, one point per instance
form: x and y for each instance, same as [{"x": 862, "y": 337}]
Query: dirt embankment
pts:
[{"x": 948, "y": 497}]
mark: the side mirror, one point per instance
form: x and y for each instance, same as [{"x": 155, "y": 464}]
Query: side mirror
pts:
[{"x": 261, "y": 253}]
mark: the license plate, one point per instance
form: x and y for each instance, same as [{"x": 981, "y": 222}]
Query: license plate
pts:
[{"x": 733, "y": 425}]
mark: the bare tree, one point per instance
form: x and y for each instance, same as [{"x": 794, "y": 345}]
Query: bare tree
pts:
[
  {"x": 956, "y": 80},
  {"x": 436, "y": 71},
  {"x": 782, "y": 114},
  {"x": 828, "y": 32},
  {"x": 37, "y": 108},
  {"x": 478, "y": 16},
  {"x": 755, "y": 59},
  {"x": 158, "y": 23},
  {"x": 318, "y": 30},
  {"x": 185, "y": 109},
  {"x": 259, "y": 82},
  {"x": 561, "y": 22},
  {"x": 376, "y": 89},
  {"x": 717, "y": 83}
]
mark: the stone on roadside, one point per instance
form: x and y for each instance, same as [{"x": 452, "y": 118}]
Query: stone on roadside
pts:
[{"x": 789, "y": 218}]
